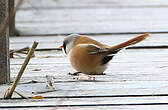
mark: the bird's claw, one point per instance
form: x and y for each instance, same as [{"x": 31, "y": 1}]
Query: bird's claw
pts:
[{"x": 74, "y": 74}]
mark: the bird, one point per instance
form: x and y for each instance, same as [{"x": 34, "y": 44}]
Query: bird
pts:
[{"x": 91, "y": 57}]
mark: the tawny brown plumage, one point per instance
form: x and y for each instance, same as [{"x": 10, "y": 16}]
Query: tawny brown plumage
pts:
[{"x": 90, "y": 56}]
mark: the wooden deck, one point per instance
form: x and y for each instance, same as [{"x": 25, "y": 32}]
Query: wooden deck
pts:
[
  {"x": 135, "y": 80},
  {"x": 93, "y": 17}
]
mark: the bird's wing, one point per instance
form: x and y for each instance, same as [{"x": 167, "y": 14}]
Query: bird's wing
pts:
[
  {"x": 95, "y": 49},
  {"x": 113, "y": 50}
]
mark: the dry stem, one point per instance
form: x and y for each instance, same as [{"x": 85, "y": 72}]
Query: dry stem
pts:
[{"x": 9, "y": 92}]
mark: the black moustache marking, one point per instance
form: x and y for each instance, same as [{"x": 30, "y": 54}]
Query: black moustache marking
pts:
[{"x": 64, "y": 46}]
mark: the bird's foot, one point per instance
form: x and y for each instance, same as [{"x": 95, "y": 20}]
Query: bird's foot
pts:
[
  {"x": 74, "y": 74},
  {"x": 103, "y": 74}
]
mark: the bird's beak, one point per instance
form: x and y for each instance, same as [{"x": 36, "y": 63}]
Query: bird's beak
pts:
[{"x": 61, "y": 47}]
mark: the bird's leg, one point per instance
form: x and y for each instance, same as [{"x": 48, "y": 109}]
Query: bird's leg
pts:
[{"x": 74, "y": 74}]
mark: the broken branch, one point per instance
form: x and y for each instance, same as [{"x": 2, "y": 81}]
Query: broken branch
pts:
[{"x": 9, "y": 92}]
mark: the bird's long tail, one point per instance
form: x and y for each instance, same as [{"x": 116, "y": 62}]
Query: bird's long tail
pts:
[{"x": 129, "y": 42}]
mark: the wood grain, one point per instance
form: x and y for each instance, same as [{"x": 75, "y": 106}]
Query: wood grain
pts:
[
  {"x": 41, "y": 4},
  {"x": 4, "y": 45},
  {"x": 109, "y": 17},
  {"x": 131, "y": 72}
]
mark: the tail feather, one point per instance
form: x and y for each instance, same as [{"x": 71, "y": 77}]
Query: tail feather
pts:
[{"x": 129, "y": 42}]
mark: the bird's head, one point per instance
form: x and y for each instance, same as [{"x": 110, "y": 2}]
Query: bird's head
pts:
[{"x": 69, "y": 42}]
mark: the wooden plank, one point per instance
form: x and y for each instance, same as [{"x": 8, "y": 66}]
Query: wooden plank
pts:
[
  {"x": 124, "y": 56},
  {"x": 92, "y": 4},
  {"x": 125, "y": 75},
  {"x": 141, "y": 72},
  {"x": 56, "y": 41},
  {"x": 128, "y": 65},
  {"x": 109, "y": 78},
  {"x": 79, "y": 88},
  {"x": 85, "y": 102},
  {"x": 132, "y": 74},
  {"x": 4, "y": 46},
  {"x": 91, "y": 21},
  {"x": 146, "y": 107},
  {"x": 122, "y": 64}
]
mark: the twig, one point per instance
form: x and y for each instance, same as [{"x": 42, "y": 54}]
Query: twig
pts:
[
  {"x": 49, "y": 86},
  {"x": 12, "y": 56},
  {"x": 49, "y": 82},
  {"x": 29, "y": 82},
  {"x": 22, "y": 51},
  {"x": 9, "y": 92},
  {"x": 19, "y": 50},
  {"x": 48, "y": 49},
  {"x": 45, "y": 91},
  {"x": 22, "y": 96}
]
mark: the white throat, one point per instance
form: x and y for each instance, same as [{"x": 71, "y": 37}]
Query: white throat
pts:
[{"x": 69, "y": 46}]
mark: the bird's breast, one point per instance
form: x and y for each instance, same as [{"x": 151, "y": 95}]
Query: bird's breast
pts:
[{"x": 84, "y": 62}]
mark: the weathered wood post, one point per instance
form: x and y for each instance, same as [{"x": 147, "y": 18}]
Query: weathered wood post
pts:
[
  {"x": 4, "y": 46},
  {"x": 12, "y": 30}
]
